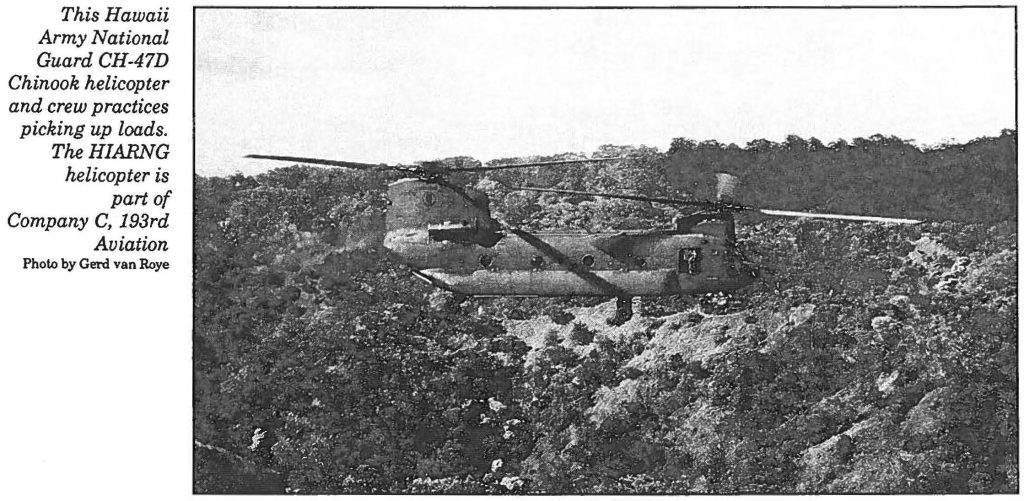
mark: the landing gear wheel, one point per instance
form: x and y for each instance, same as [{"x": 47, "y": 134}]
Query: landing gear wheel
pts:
[{"x": 623, "y": 311}]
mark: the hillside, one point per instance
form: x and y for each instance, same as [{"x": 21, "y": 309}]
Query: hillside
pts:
[{"x": 869, "y": 358}]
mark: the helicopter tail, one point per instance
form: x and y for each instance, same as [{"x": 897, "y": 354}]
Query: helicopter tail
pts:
[{"x": 725, "y": 186}]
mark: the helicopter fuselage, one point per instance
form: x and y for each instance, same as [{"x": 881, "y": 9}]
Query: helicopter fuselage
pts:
[
  {"x": 653, "y": 263},
  {"x": 446, "y": 234},
  {"x": 443, "y": 230}
]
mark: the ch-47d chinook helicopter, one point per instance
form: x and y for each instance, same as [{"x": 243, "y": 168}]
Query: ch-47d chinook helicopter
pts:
[{"x": 445, "y": 233}]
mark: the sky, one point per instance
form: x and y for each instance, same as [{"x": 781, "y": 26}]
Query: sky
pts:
[{"x": 400, "y": 86}]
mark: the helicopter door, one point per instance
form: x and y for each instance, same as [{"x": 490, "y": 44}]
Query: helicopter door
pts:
[{"x": 689, "y": 260}]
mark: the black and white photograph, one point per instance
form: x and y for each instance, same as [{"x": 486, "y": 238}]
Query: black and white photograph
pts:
[{"x": 605, "y": 250}]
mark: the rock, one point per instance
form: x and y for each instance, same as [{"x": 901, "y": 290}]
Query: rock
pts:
[
  {"x": 900, "y": 302},
  {"x": 801, "y": 314},
  {"x": 774, "y": 331},
  {"x": 533, "y": 331},
  {"x": 819, "y": 462},
  {"x": 923, "y": 423},
  {"x": 928, "y": 252},
  {"x": 883, "y": 323},
  {"x": 863, "y": 428},
  {"x": 824, "y": 461},
  {"x": 882, "y": 473},
  {"x": 611, "y": 405},
  {"x": 691, "y": 342},
  {"x": 994, "y": 273},
  {"x": 944, "y": 266},
  {"x": 495, "y": 405},
  {"x": 886, "y": 383},
  {"x": 698, "y": 431}
]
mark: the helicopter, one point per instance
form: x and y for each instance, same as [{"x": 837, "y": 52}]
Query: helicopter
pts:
[{"x": 445, "y": 233}]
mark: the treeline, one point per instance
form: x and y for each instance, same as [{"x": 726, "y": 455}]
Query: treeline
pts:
[
  {"x": 882, "y": 175},
  {"x": 974, "y": 182}
]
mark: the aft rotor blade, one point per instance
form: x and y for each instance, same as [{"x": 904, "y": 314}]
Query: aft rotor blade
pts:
[
  {"x": 872, "y": 219},
  {"x": 707, "y": 204},
  {"x": 332, "y": 163},
  {"x": 533, "y": 164}
]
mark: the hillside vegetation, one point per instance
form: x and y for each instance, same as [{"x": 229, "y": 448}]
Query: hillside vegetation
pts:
[{"x": 868, "y": 358}]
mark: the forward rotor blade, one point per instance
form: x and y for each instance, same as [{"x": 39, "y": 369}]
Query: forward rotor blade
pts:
[
  {"x": 707, "y": 204},
  {"x": 533, "y": 164},
  {"x": 873, "y": 219},
  {"x": 332, "y": 163}
]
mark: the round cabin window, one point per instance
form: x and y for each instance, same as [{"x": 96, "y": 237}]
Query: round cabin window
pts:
[
  {"x": 429, "y": 199},
  {"x": 588, "y": 260},
  {"x": 485, "y": 261},
  {"x": 537, "y": 261}
]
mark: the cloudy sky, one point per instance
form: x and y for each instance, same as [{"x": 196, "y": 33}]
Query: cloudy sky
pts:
[{"x": 408, "y": 85}]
